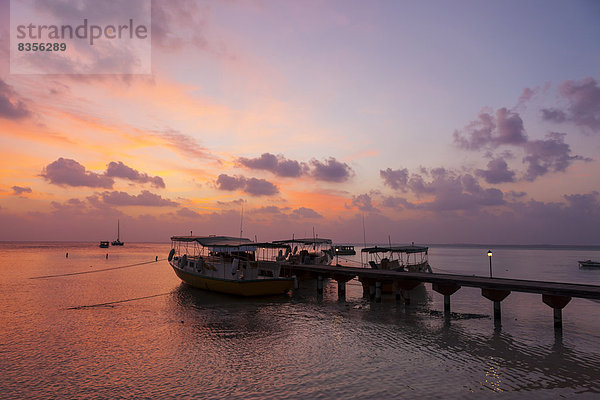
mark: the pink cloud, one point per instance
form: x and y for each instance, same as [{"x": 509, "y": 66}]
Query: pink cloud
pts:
[
  {"x": 120, "y": 170},
  {"x": 68, "y": 172}
]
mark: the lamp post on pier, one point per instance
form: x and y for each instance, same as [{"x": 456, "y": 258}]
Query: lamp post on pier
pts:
[{"x": 490, "y": 257}]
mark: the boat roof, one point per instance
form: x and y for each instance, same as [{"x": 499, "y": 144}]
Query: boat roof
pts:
[
  {"x": 227, "y": 241},
  {"x": 306, "y": 241},
  {"x": 395, "y": 249}
]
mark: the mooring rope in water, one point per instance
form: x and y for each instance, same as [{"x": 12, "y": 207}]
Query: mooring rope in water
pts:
[
  {"x": 116, "y": 302},
  {"x": 98, "y": 270}
]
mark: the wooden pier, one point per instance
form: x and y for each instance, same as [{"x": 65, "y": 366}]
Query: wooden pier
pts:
[{"x": 554, "y": 294}]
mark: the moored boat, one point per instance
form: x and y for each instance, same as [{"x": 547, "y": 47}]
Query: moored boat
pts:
[
  {"x": 398, "y": 258},
  {"x": 118, "y": 241},
  {"x": 229, "y": 265},
  {"x": 104, "y": 245},
  {"x": 344, "y": 250},
  {"x": 589, "y": 264},
  {"x": 308, "y": 251}
]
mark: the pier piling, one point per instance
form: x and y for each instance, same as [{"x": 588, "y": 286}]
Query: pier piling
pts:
[
  {"x": 320, "y": 284},
  {"x": 447, "y": 289},
  {"x": 495, "y": 295},
  {"x": 555, "y": 294},
  {"x": 378, "y": 292},
  {"x": 557, "y": 303}
]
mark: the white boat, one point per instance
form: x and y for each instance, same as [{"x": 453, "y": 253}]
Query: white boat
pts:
[
  {"x": 344, "y": 250},
  {"x": 308, "y": 251},
  {"x": 589, "y": 264},
  {"x": 229, "y": 265},
  {"x": 398, "y": 258}
]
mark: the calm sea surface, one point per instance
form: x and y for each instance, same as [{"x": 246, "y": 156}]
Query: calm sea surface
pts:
[{"x": 138, "y": 332}]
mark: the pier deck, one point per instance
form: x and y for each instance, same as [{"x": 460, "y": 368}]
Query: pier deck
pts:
[
  {"x": 515, "y": 285},
  {"x": 554, "y": 294}
]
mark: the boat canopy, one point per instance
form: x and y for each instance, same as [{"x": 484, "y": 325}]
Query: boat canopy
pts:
[
  {"x": 307, "y": 241},
  {"x": 226, "y": 243},
  {"x": 396, "y": 249}
]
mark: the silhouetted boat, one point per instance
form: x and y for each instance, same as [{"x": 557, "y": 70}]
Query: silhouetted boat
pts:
[
  {"x": 229, "y": 265},
  {"x": 398, "y": 258},
  {"x": 103, "y": 245},
  {"x": 308, "y": 251},
  {"x": 118, "y": 241},
  {"x": 344, "y": 250},
  {"x": 589, "y": 264}
]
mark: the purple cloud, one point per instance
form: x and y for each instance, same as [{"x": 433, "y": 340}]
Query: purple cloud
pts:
[
  {"x": 278, "y": 165},
  {"x": 260, "y": 187},
  {"x": 67, "y": 172},
  {"x": 446, "y": 191},
  {"x": 185, "y": 212},
  {"x": 19, "y": 190},
  {"x": 364, "y": 203},
  {"x": 268, "y": 210},
  {"x": 10, "y": 106},
  {"x": 497, "y": 172},
  {"x": 584, "y": 102},
  {"x": 252, "y": 186},
  {"x": 397, "y": 203},
  {"x": 587, "y": 201},
  {"x": 554, "y": 115},
  {"x": 505, "y": 128},
  {"x": 331, "y": 170},
  {"x": 551, "y": 154},
  {"x": 396, "y": 179},
  {"x": 510, "y": 128},
  {"x": 226, "y": 182},
  {"x": 145, "y": 198},
  {"x": 304, "y": 212},
  {"x": 479, "y": 133},
  {"x": 120, "y": 170}
]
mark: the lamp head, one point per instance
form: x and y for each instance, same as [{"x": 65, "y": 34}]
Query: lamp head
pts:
[{"x": 489, "y": 253}]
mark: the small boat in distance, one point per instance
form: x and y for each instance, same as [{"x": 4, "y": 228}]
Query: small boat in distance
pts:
[
  {"x": 344, "y": 250},
  {"x": 118, "y": 241},
  {"x": 229, "y": 265},
  {"x": 589, "y": 264},
  {"x": 103, "y": 245}
]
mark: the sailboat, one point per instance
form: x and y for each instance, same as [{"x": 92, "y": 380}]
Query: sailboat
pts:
[{"x": 118, "y": 241}]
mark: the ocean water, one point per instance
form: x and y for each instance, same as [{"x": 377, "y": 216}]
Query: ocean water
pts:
[{"x": 122, "y": 329}]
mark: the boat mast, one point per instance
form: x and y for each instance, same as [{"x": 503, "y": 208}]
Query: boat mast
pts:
[{"x": 118, "y": 231}]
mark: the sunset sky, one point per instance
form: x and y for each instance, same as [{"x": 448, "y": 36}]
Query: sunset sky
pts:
[{"x": 435, "y": 121}]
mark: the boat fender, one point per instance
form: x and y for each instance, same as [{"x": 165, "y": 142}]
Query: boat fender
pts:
[
  {"x": 429, "y": 268},
  {"x": 171, "y": 254},
  {"x": 234, "y": 268},
  {"x": 183, "y": 261},
  {"x": 287, "y": 251}
]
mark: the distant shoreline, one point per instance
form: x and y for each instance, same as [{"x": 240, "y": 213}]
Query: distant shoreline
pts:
[{"x": 433, "y": 245}]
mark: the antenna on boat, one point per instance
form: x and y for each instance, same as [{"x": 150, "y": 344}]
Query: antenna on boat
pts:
[
  {"x": 390, "y": 240},
  {"x": 364, "y": 239},
  {"x": 364, "y": 233},
  {"x": 241, "y": 223}
]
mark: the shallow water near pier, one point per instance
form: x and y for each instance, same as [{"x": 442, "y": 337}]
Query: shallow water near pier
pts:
[{"x": 138, "y": 332}]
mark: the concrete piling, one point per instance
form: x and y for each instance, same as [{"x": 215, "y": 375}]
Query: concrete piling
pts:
[{"x": 378, "y": 292}]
